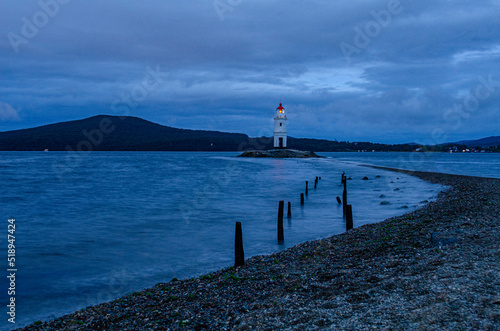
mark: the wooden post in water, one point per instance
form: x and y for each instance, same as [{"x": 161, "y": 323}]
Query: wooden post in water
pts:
[
  {"x": 289, "y": 214},
  {"x": 315, "y": 182},
  {"x": 344, "y": 201},
  {"x": 281, "y": 237},
  {"x": 301, "y": 198},
  {"x": 239, "y": 255},
  {"x": 307, "y": 188},
  {"x": 344, "y": 194},
  {"x": 348, "y": 218},
  {"x": 338, "y": 200}
]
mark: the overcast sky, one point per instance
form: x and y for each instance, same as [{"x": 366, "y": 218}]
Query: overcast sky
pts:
[{"x": 384, "y": 71}]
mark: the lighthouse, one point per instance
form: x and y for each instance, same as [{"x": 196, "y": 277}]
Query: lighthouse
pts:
[{"x": 280, "y": 128}]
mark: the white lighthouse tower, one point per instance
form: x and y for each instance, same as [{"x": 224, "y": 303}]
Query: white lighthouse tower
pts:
[{"x": 280, "y": 128}]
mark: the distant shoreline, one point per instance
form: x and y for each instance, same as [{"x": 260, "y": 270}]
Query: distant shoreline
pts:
[
  {"x": 128, "y": 133},
  {"x": 235, "y": 151},
  {"x": 435, "y": 267}
]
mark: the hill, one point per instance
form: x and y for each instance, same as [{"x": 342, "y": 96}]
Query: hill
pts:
[
  {"x": 484, "y": 142},
  {"x": 113, "y": 133}
]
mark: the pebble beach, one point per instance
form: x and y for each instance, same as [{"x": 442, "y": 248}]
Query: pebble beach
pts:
[{"x": 436, "y": 268}]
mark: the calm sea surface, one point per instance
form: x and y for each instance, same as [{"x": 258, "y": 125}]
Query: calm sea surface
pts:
[{"x": 91, "y": 227}]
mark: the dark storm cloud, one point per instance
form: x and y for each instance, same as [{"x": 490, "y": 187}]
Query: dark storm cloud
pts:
[{"x": 388, "y": 71}]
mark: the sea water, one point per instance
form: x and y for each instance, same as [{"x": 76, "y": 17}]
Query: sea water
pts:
[
  {"x": 470, "y": 164},
  {"x": 91, "y": 227}
]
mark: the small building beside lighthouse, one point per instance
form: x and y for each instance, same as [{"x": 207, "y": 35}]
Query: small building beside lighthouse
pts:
[{"x": 280, "y": 128}]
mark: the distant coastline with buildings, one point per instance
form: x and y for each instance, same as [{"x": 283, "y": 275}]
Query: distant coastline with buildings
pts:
[{"x": 127, "y": 133}]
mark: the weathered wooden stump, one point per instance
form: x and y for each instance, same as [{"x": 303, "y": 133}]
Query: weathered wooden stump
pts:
[
  {"x": 281, "y": 237},
  {"x": 289, "y": 214},
  {"x": 344, "y": 201},
  {"x": 239, "y": 255},
  {"x": 348, "y": 218}
]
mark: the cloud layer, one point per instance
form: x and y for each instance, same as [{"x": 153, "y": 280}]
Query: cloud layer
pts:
[{"x": 384, "y": 71}]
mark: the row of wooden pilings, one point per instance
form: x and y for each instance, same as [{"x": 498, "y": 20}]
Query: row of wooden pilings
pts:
[{"x": 239, "y": 255}]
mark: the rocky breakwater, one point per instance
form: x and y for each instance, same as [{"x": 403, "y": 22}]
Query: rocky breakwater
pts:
[{"x": 280, "y": 153}]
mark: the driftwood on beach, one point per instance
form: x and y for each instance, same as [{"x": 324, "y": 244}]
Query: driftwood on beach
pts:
[{"x": 435, "y": 268}]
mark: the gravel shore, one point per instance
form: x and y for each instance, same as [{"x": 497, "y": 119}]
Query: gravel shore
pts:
[{"x": 436, "y": 268}]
